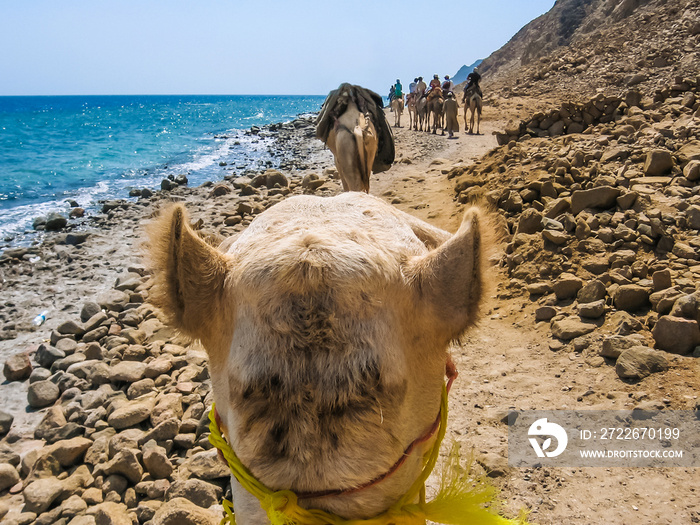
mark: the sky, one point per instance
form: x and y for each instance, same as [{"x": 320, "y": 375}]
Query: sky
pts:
[{"x": 295, "y": 47}]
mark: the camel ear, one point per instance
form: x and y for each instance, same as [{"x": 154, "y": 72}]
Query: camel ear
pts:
[
  {"x": 449, "y": 279},
  {"x": 189, "y": 275}
]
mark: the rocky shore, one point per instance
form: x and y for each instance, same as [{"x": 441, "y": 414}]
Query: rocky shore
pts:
[{"x": 105, "y": 411}]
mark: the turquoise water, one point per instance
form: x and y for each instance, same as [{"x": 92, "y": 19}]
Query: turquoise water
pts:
[{"x": 90, "y": 148}]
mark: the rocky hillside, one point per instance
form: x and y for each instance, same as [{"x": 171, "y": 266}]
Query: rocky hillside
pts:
[{"x": 582, "y": 47}]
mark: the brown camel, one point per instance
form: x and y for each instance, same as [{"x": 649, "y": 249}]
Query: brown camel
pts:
[
  {"x": 353, "y": 126},
  {"x": 327, "y": 324},
  {"x": 472, "y": 100},
  {"x": 412, "y": 114},
  {"x": 435, "y": 108},
  {"x": 397, "y": 105}
]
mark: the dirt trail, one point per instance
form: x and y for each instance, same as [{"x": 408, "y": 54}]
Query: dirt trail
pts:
[{"x": 506, "y": 363}]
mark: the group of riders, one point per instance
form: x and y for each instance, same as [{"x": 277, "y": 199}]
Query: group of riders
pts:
[{"x": 418, "y": 88}]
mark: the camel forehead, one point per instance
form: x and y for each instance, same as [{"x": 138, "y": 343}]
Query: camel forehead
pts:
[
  {"x": 352, "y": 224},
  {"x": 311, "y": 243}
]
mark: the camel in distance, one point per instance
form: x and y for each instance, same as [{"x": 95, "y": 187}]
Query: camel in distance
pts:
[
  {"x": 353, "y": 126},
  {"x": 327, "y": 324}
]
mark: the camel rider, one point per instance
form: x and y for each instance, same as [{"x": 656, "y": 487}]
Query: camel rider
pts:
[
  {"x": 447, "y": 86},
  {"x": 412, "y": 86},
  {"x": 398, "y": 89},
  {"x": 435, "y": 88},
  {"x": 421, "y": 87},
  {"x": 473, "y": 82}
]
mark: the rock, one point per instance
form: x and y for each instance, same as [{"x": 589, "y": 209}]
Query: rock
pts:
[
  {"x": 8, "y": 476},
  {"x": 76, "y": 213},
  {"x": 111, "y": 513},
  {"x": 124, "y": 463},
  {"x": 639, "y": 362},
  {"x": 168, "y": 406},
  {"x": 592, "y": 292},
  {"x": 205, "y": 465},
  {"x": 567, "y": 286},
  {"x": 557, "y": 237},
  {"x": 164, "y": 431},
  {"x": 67, "y": 345},
  {"x": 181, "y": 180},
  {"x": 661, "y": 280},
  {"x": 67, "y": 452},
  {"x": 167, "y": 185},
  {"x": 157, "y": 463},
  {"x": 568, "y": 328},
  {"x": 530, "y": 221},
  {"x": 545, "y": 313},
  {"x": 691, "y": 171},
  {"x": 592, "y": 310},
  {"x": 40, "y": 494},
  {"x": 686, "y": 306},
  {"x": 128, "y": 371},
  {"x": 602, "y": 197},
  {"x": 42, "y": 394},
  {"x": 113, "y": 300},
  {"x": 46, "y": 355},
  {"x": 18, "y": 367},
  {"x": 73, "y": 506},
  {"x": 6, "y": 421},
  {"x": 55, "y": 221},
  {"x": 658, "y": 162},
  {"x": 197, "y": 491},
  {"x": 676, "y": 335},
  {"x": 88, "y": 310},
  {"x": 75, "y": 238},
  {"x": 630, "y": 297},
  {"x": 70, "y": 328},
  {"x": 614, "y": 345},
  {"x": 684, "y": 251},
  {"x": 180, "y": 511},
  {"x": 692, "y": 215},
  {"x": 219, "y": 190},
  {"x": 131, "y": 414}
]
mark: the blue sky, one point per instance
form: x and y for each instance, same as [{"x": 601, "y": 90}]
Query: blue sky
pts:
[{"x": 75, "y": 47}]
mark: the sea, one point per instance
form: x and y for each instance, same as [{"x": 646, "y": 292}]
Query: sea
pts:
[{"x": 93, "y": 148}]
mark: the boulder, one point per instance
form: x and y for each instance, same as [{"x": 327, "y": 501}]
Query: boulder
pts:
[
  {"x": 630, "y": 297},
  {"x": 42, "y": 393},
  {"x": 180, "y": 511},
  {"x": 41, "y": 493},
  {"x": 592, "y": 310},
  {"x": 8, "y": 476},
  {"x": 157, "y": 463},
  {"x": 658, "y": 162},
  {"x": 639, "y": 362},
  {"x": 18, "y": 367},
  {"x": 567, "y": 286},
  {"x": 676, "y": 335},
  {"x": 197, "y": 491},
  {"x": 602, "y": 197},
  {"x": 592, "y": 292},
  {"x": 614, "y": 345},
  {"x": 691, "y": 171},
  {"x": 55, "y": 221},
  {"x": 6, "y": 421},
  {"x": 569, "y": 328},
  {"x": 530, "y": 221},
  {"x": 111, "y": 513}
]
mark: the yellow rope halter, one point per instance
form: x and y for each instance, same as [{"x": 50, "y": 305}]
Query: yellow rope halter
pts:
[{"x": 461, "y": 500}]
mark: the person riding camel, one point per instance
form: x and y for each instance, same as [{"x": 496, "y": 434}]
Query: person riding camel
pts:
[
  {"x": 421, "y": 87},
  {"x": 398, "y": 90},
  {"x": 447, "y": 86},
  {"x": 435, "y": 88},
  {"x": 473, "y": 83}
]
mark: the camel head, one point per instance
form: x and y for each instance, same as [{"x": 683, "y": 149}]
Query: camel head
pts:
[{"x": 327, "y": 324}]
